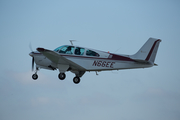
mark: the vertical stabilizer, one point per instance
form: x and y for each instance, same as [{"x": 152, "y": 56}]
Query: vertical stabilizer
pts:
[{"x": 148, "y": 50}]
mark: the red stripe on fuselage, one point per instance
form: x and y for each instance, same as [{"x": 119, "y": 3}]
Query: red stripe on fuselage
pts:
[
  {"x": 119, "y": 57},
  {"x": 114, "y": 57}
]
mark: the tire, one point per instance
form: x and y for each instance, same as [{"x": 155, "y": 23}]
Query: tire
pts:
[
  {"x": 76, "y": 80},
  {"x": 34, "y": 76},
  {"x": 62, "y": 76}
]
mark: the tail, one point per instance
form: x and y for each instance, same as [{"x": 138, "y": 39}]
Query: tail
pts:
[{"x": 148, "y": 51}]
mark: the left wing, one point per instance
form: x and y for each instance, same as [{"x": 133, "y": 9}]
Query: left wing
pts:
[{"x": 58, "y": 59}]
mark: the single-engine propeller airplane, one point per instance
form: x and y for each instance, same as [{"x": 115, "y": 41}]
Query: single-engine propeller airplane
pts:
[{"x": 78, "y": 60}]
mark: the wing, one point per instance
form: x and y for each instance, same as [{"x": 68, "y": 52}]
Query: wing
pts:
[{"x": 58, "y": 59}]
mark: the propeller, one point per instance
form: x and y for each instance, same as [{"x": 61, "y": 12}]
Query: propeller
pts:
[
  {"x": 31, "y": 54},
  {"x": 30, "y": 47},
  {"x": 32, "y": 63}
]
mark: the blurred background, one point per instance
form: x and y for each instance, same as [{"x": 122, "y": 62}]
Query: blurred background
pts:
[{"x": 114, "y": 26}]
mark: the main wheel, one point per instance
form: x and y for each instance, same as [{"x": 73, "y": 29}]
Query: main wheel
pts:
[
  {"x": 62, "y": 76},
  {"x": 76, "y": 80},
  {"x": 34, "y": 76}
]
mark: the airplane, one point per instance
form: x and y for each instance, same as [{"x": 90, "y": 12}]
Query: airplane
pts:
[{"x": 79, "y": 60}]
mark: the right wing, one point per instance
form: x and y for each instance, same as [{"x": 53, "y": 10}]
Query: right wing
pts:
[{"x": 58, "y": 59}]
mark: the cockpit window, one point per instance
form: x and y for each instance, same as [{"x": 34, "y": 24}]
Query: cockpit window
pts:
[
  {"x": 67, "y": 50},
  {"x": 79, "y": 51},
  {"x": 92, "y": 53},
  {"x": 57, "y": 49}
]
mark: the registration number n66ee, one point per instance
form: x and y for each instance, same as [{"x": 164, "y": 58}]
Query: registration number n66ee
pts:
[{"x": 103, "y": 63}]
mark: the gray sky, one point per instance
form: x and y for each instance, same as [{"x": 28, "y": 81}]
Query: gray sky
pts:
[{"x": 139, "y": 94}]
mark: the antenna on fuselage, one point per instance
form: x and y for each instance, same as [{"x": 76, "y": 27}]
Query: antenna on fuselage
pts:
[
  {"x": 117, "y": 50},
  {"x": 72, "y": 41}
]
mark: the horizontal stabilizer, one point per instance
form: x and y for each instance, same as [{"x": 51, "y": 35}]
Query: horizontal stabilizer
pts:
[{"x": 145, "y": 62}]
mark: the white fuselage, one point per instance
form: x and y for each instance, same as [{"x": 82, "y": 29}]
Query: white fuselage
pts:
[
  {"x": 78, "y": 60},
  {"x": 107, "y": 61}
]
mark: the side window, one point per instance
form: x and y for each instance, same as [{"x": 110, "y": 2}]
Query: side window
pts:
[
  {"x": 67, "y": 50},
  {"x": 79, "y": 51},
  {"x": 92, "y": 53}
]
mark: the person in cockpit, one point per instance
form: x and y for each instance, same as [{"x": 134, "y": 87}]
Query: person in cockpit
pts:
[
  {"x": 68, "y": 50},
  {"x": 77, "y": 51}
]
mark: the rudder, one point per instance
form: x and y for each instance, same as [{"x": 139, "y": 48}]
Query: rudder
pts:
[{"x": 148, "y": 51}]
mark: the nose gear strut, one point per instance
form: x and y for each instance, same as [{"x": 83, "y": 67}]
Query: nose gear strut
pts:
[{"x": 35, "y": 76}]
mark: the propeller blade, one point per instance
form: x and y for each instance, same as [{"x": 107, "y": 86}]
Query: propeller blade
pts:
[
  {"x": 30, "y": 47},
  {"x": 33, "y": 64}
]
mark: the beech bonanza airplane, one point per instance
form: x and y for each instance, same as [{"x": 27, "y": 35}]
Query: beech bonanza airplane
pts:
[{"x": 78, "y": 60}]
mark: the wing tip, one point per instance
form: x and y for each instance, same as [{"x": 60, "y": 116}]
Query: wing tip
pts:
[{"x": 40, "y": 49}]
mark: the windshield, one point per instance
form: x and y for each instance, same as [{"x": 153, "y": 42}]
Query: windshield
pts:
[{"x": 57, "y": 49}]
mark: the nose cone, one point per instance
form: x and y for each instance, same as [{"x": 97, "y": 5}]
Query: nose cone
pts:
[{"x": 31, "y": 54}]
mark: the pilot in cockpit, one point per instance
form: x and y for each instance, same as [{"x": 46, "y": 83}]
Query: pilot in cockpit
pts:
[
  {"x": 68, "y": 50},
  {"x": 77, "y": 51}
]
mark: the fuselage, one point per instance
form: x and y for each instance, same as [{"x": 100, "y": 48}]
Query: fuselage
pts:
[
  {"x": 89, "y": 60},
  {"x": 78, "y": 60}
]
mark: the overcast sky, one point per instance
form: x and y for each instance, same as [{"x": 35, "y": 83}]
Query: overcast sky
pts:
[{"x": 139, "y": 94}]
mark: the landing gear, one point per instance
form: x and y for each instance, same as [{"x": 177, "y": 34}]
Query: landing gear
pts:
[
  {"x": 78, "y": 74},
  {"x": 76, "y": 80},
  {"x": 62, "y": 76},
  {"x": 35, "y": 76}
]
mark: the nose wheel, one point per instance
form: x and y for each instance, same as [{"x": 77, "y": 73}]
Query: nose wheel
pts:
[{"x": 35, "y": 76}]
